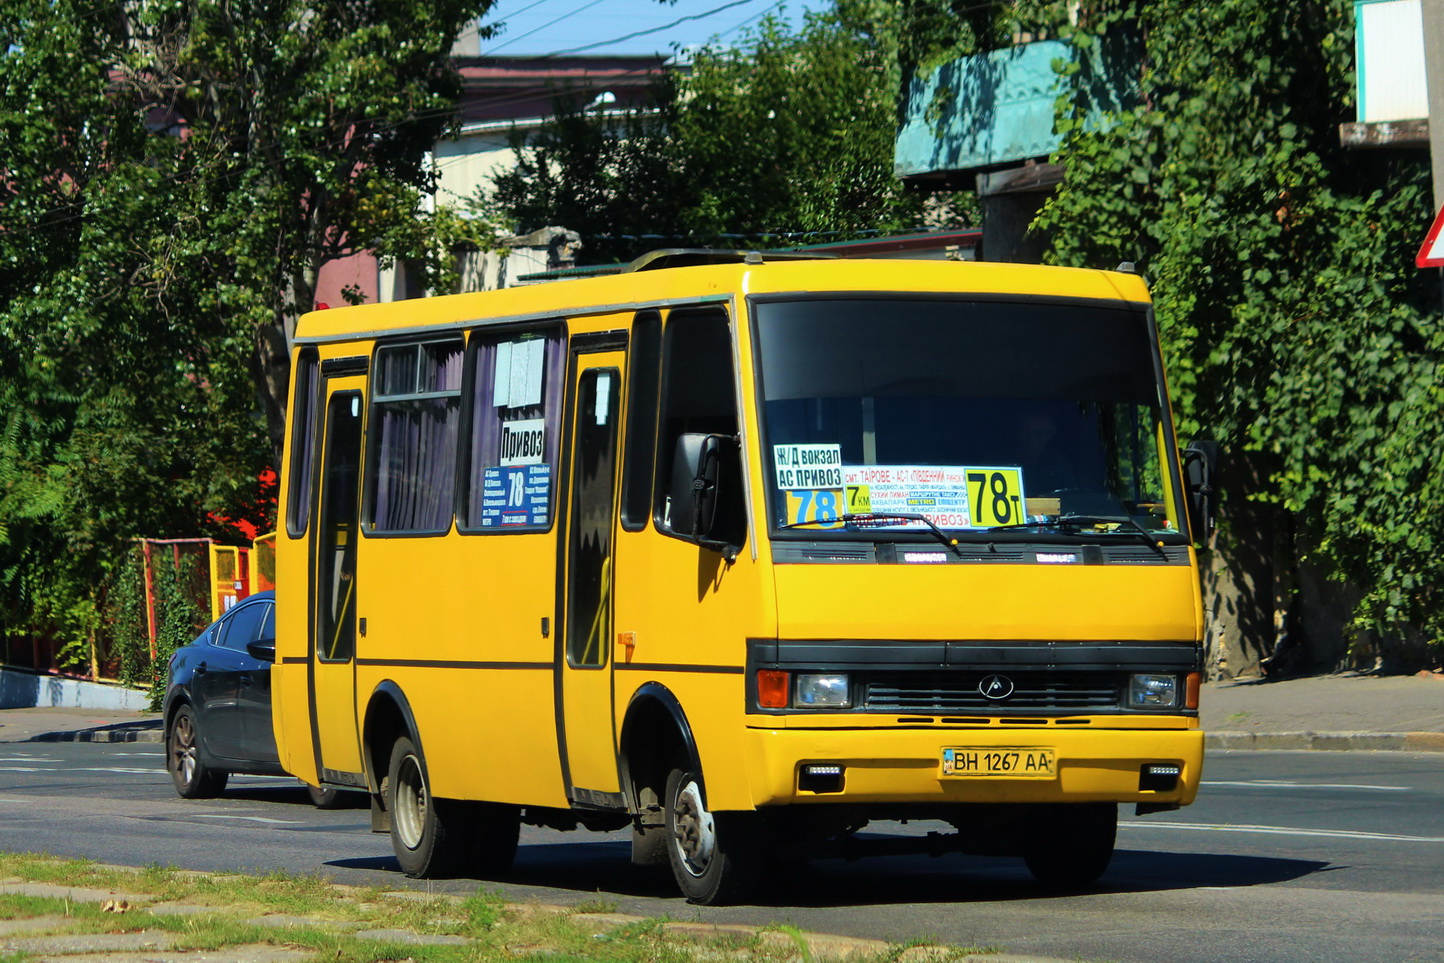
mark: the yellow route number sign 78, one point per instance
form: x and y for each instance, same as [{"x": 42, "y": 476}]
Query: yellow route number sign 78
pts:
[{"x": 995, "y": 496}]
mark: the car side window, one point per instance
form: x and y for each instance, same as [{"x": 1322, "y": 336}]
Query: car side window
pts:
[{"x": 244, "y": 625}]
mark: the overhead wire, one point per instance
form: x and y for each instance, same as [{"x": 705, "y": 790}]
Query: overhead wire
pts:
[
  {"x": 566, "y": 16},
  {"x": 752, "y": 19},
  {"x": 666, "y": 26}
]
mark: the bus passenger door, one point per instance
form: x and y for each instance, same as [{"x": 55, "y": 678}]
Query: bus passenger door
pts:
[
  {"x": 334, "y": 736},
  {"x": 588, "y": 742}
]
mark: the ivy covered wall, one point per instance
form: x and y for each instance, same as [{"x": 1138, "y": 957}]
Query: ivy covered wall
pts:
[{"x": 1298, "y": 332}]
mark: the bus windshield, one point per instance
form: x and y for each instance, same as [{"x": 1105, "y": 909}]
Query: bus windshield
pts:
[{"x": 970, "y": 416}]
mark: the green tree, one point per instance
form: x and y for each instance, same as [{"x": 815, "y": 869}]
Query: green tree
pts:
[
  {"x": 172, "y": 176},
  {"x": 787, "y": 138},
  {"x": 1296, "y": 328}
]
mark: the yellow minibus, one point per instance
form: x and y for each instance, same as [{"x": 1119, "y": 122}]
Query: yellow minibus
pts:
[{"x": 743, "y": 552}]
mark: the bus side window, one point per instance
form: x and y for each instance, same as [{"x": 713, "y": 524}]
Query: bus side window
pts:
[
  {"x": 415, "y": 409},
  {"x": 645, "y": 365},
  {"x": 699, "y": 396},
  {"x": 299, "y": 487},
  {"x": 513, "y": 431}
]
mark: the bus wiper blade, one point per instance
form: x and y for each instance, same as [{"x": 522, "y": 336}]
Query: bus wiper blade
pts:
[
  {"x": 1077, "y": 521},
  {"x": 938, "y": 533}
]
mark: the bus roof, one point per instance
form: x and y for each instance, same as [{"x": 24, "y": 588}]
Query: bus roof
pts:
[{"x": 718, "y": 282}]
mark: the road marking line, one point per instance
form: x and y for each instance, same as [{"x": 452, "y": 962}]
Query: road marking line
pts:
[
  {"x": 1283, "y": 831},
  {"x": 120, "y": 769},
  {"x": 1282, "y": 784},
  {"x": 254, "y": 819}
]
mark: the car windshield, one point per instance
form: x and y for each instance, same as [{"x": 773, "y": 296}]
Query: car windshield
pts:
[{"x": 972, "y": 416}]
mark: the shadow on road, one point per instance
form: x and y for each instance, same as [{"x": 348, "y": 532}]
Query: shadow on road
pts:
[
  {"x": 603, "y": 868},
  {"x": 294, "y": 794}
]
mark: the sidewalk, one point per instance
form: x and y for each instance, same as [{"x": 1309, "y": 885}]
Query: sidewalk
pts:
[
  {"x": 1348, "y": 711},
  {"x": 69, "y": 724}
]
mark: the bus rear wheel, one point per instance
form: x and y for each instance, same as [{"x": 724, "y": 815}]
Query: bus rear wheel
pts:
[
  {"x": 443, "y": 837},
  {"x": 714, "y": 856},
  {"x": 1072, "y": 844}
]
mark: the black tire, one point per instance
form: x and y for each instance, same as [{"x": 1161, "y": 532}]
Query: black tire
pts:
[
  {"x": 715, "y": 857},
  {"x": 441, "y": 837},
  {"x": 1073, "y": 844},
  {"x": 495, "y": 831},
  {"x": 324, "y": 797},
  {"x": 193, "y": 780}
]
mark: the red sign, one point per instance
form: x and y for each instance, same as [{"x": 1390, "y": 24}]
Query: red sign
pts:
[{"x": 1431, "y": 253}]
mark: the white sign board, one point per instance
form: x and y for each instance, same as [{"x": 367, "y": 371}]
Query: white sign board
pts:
[{"x": 1389, "y": 50}]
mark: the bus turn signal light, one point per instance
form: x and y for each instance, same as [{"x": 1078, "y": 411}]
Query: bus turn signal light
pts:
[{"x": 772, "y": 688}]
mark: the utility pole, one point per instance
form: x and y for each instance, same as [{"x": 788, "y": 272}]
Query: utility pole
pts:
[{"x": 1433, "y": 11}]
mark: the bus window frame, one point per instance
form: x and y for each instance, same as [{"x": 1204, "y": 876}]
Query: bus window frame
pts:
[
  {"x": 300, "y": 492},
  {"x": 492, "y": 335},
  {"x": 372, "y": 453},
  {"x": 1143, "y": 313},
  {"x": 665, "y": 452},
  {"x": 640, "y": 441}
]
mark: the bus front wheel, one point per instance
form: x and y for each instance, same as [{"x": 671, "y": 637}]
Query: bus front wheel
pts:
[
  {"x": 1073, "y": 844},
  {"x": 714, "y": 856}
]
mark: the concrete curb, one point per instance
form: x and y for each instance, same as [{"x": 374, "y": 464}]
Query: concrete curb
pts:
[
  {"x": 147, "y": 731},
  {"x": 1327, "y": 741}
]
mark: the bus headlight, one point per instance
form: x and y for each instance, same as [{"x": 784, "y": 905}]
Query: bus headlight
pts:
[
  {"x": 818, "y": 691},
  {"x": 1149, "y": 691}
]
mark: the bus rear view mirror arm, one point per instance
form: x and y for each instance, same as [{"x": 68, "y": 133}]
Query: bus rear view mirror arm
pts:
[
  {"x": 693, "y": 493},
  {"x": 1200, "y": 475}
]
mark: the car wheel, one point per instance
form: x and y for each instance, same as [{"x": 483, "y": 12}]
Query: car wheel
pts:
[
  {"x": 442, "y": 837},
  {"x": 1072, "y": 844},
  {"x": 714, "y": 856},
  {"x": 193, "y": 780},
  {"x": 324, "y": 797}
]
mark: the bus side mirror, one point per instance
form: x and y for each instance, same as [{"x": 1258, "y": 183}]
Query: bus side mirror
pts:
[
  {"x": 1200, "y": 477},
  {"x": 692, "y": 495}
]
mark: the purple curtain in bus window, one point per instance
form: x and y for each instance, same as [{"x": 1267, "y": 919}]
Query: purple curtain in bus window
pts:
[
  {"x": 416, "y": 449},
  {"x": 487, "y": 419}
]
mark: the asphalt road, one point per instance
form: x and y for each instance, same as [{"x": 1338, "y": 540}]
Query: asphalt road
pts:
[{"x": 1286, "y": 857}]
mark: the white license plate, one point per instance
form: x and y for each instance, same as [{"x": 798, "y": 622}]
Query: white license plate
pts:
[{"x": 1011, "y": 762}]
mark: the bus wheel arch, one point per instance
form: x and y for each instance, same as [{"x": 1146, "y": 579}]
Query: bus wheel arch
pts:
[
  {"x": 430, "y": 837},
  {"x": 388, "y": 718},
  {"x": 655, "y": 738}
]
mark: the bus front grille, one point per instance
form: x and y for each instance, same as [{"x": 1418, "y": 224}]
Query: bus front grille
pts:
[{"x": 1032, "y": 691}]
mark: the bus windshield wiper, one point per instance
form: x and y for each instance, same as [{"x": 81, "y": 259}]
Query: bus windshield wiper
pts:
[
  {"x": 938, "y": 533},
  {"x": 1076, "y": 521}
]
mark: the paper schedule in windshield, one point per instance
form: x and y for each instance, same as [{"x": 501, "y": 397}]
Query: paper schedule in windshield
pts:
[{"x": 819, "y": 490}]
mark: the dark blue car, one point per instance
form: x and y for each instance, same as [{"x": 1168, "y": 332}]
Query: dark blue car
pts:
[{"x": 218, "y": 701}]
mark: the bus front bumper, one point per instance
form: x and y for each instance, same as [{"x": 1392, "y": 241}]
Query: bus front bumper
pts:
[{"x": 1148, "y": 766}]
